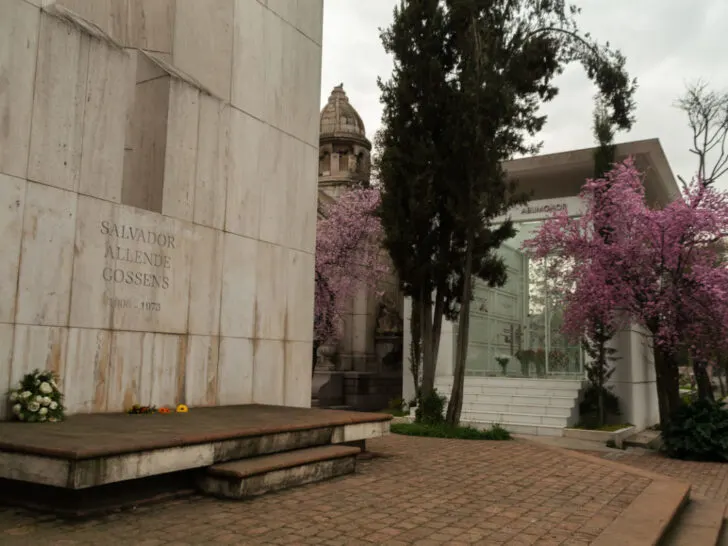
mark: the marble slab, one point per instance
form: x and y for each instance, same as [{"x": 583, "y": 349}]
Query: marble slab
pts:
[
  {"x": 46, "y": 262},
  {"x": 248, "y": 158},
  {"x": 238, "y": 310},
  {"x": 109, "y": 97},
  {"x": 161, "y": 379},
  {"x": 268, "y": 374},
  {"x": 235, "y": 372},
  {"x": 181, "y": 151},
  {"x": 213, "y": 158},
  {"x": 38, "y": 347},
  {"x": 86, "y": 372},
  {"x": 56, "y": 138},
  {"x": 12, "y": 203},
  {"x": 151, "y": 25},
  {"x": 128, "y": 352},
  {"x": 203, "y": 42},
  {"x": 201, "y": 370},
  {"x": 250, "y": 60},
  {"x": 111, "y": 16},
  {"x": 206, "y": 279},
  {"x": 7, "y": 332},
  {"x": 297, "y": 382},
  {"x": 301, "y": 191},
  {"x": 132, "y": 269},
  {"x": 270, "y": 292},
  {"x": 300, "y": 294},
  {"x": 19, "y": 24},
  {"x": 275, "y": 170}
]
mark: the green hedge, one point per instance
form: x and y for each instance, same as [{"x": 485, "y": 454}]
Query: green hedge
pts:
[
  {"x": 443, "y": 431},
  {"x": 698, "y": 431}
]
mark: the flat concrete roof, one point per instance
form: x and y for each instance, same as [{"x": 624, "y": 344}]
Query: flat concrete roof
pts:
[{"x": 562, "y": 174}]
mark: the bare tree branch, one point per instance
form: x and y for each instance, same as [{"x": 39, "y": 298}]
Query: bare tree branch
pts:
[{"x": 707, "y": 113}]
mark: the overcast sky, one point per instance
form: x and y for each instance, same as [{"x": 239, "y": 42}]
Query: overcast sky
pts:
[{"x": 667, "y": 44}]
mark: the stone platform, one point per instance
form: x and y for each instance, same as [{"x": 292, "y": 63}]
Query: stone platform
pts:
[{"x": 102, "y": 452}]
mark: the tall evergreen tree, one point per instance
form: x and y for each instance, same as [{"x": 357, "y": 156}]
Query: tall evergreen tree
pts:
[
  {"x": 469, "y": 78},
  {"x": 507, "y": 53},
  {"x": 412, "y": 168}
]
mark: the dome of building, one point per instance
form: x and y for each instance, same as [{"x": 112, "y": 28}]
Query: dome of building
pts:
[{"x": 339, "y": 118}]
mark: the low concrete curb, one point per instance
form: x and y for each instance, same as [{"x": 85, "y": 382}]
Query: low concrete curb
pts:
[
  {"x": 646, "y": 521},
  {"x": 603, "y": 436}
]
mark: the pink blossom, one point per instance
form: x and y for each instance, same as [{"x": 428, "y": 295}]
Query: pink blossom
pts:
[
  {"x": 660, "y": 268},
  {"x": 348, "y": 257}
]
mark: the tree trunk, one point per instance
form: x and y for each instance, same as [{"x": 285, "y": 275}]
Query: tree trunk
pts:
[
  {"x": 416, "y": 348},
  {"x": 702, "y": 380},
  {"x": 668, "y": 386},
  {"x": 316, "y": 345},
  {"x": 437, "y": 325},
  {"x": 455, "y": 404},
  {"x": 602, "y": 363},
  {"x": 428, "y": 364}
]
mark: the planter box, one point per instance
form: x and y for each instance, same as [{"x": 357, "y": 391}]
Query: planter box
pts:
[{"x": 602, "y": 436}]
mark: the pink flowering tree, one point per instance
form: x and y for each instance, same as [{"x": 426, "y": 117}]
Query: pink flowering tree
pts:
[
  {"x": 658, "y": 268},
  {"x": 348, "y": 257}
]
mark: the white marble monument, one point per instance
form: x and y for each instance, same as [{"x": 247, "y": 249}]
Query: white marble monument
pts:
[{"x": 158, "y": 188}]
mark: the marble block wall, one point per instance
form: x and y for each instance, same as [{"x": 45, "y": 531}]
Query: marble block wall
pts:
[{"x": 158, "y": 187}]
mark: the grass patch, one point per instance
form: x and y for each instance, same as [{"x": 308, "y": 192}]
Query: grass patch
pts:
[
  {"x": 605, "y": 428},
  {"x": 443, "y": 431}
]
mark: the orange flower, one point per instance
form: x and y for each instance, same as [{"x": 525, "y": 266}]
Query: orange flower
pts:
[
  {"x": 182, "y": 409},
  {"x": 165, "y": 410}
]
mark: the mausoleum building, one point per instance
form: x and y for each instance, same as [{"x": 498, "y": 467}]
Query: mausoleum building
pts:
[
  {"x": 158, "y": 195},
  {"x": 521, "y": 371}
]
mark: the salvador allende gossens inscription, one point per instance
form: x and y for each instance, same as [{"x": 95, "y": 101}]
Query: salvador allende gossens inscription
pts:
[{"x": 139, "y": 259}]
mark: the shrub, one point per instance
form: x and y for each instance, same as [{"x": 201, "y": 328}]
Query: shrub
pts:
[
  {"x": 431, "y": 409},
  {"x": 589, "y": 406},
  {"x": 444, "y": 431},
  {"x": 698, "y": 431}
]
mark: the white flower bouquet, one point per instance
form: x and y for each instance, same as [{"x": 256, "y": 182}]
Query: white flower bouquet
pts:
[{"x": 37, "y": 398}]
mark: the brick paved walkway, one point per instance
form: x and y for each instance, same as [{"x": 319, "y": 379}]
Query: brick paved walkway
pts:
[
  {"x": 709, "y": 480},
  {"x": 417, "y": 491}
]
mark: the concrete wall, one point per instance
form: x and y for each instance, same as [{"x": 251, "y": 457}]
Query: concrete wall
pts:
[
  {"x": 158, "y": 217},
  {"x": 634, "y": 380}
]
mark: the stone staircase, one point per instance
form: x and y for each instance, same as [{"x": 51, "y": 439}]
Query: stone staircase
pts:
[
  {"x": 701, "y": 522},
  {"x": 99, "y": 463},
  {"x": 246, "y": 478},
  {"x": 542, "y": 407}
]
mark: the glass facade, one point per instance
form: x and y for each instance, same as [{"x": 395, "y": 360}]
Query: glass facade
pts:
[{"x": 515, "y": 330}]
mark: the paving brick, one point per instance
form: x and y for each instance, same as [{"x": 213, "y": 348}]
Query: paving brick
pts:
[
  {"x": 708, "y": 480},
  {"x": 412, "y": 491}
]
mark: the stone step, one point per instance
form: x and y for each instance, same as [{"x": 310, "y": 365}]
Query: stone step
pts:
[
  {"x": 524, "y": 400},
  {"x": 534, "y": 419},
  {"x": 515, "y": 428},
  {"x": 258, "y": 475},
  {"x": 534, "y": 382},
  {"x": 534, "y": 390},
  {"x": 646, "y": 439},
  {"x": 699, "y": 524},
  {"x": 552, "y": 411}
]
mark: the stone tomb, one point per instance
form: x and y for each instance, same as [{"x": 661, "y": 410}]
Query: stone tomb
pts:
[{"x": 157, "y": 221}]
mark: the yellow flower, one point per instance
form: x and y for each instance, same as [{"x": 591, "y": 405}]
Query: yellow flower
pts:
[{"x": 182, "y": 409}]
